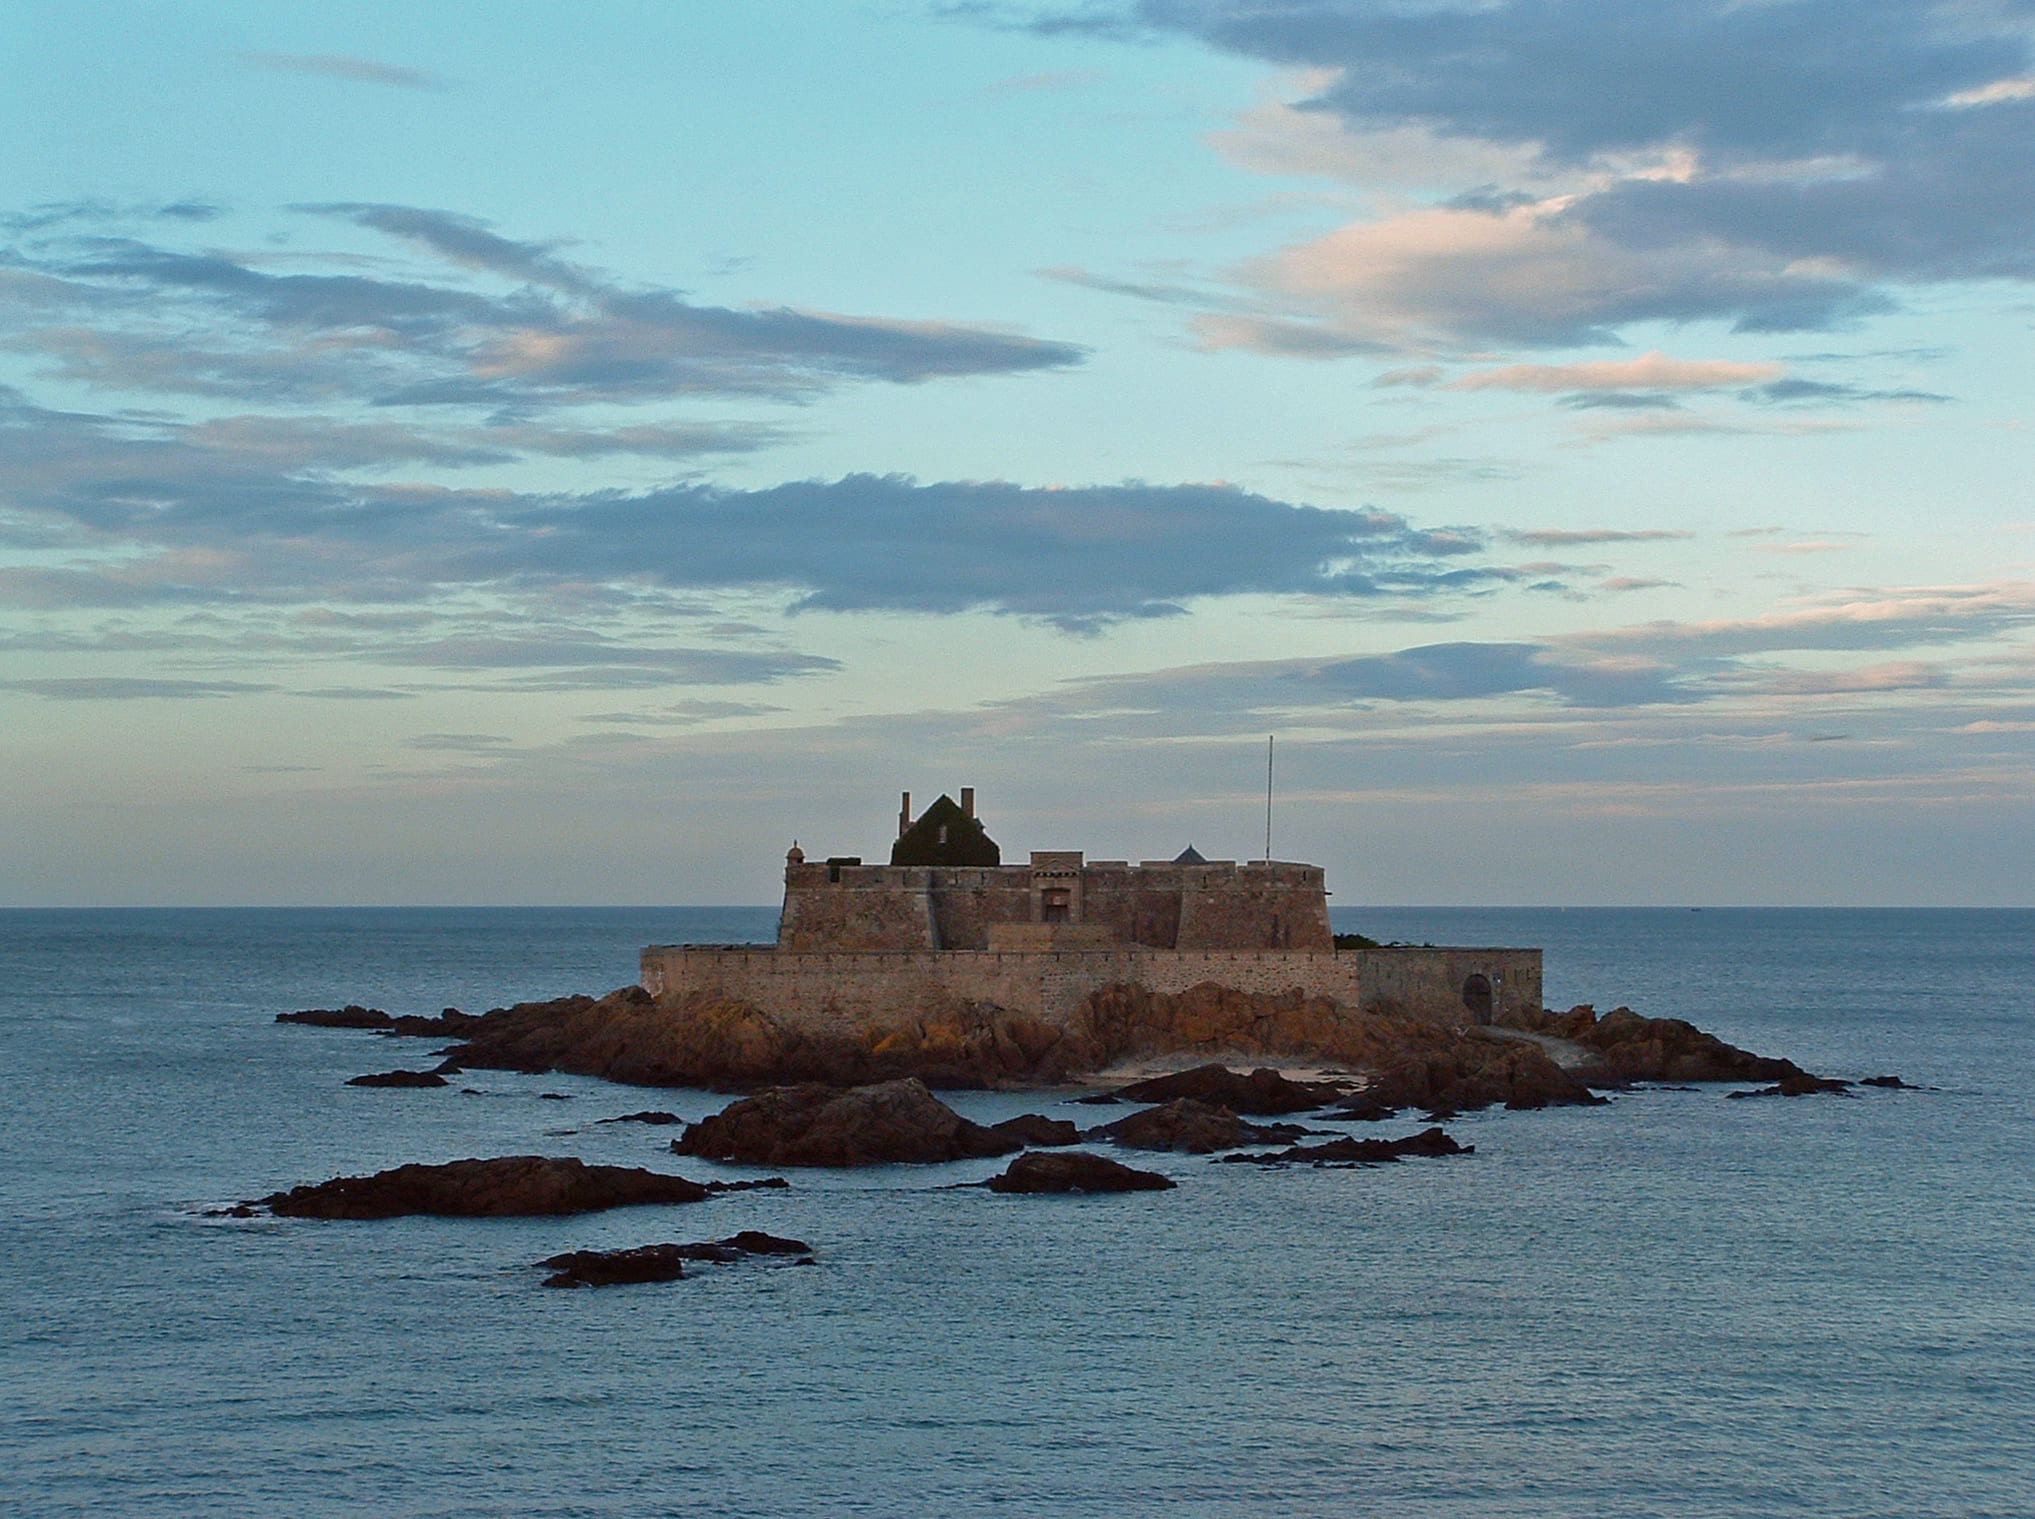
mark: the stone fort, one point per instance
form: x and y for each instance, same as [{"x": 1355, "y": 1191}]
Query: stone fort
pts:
[{"x": 861, "y": 945}]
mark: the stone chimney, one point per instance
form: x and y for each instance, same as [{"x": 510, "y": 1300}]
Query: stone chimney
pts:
[
  {"x": 968, "y": 800},
  {"x": 904, "y": 816}
]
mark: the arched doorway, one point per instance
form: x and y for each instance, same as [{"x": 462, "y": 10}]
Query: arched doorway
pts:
[{"x": 1477, "y": 998}]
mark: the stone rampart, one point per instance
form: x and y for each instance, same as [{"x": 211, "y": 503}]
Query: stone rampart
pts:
[{"x": 845, "y": 991}]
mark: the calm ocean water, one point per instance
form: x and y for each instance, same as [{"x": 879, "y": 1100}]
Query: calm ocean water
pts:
[{"x": 1675, "y": 1305}]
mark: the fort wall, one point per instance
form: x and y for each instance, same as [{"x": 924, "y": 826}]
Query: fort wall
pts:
[
  {"x": 841, "y": 991},
  {"x": 1214, "y": 905}
]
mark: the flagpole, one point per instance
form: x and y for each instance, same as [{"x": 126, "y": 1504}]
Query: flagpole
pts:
[{"x": 1268, "y": 799}]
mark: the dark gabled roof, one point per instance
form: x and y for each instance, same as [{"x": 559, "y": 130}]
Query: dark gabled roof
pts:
[
  {"x": 945, "y": 835},
  {"x": 1189, "y": 856}
]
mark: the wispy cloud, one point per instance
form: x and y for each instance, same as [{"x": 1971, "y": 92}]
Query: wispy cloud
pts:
[
  {"x": 1650, "y": 371},
  {"x": 1552, "y": 537},
  {"x": 217, "y": 516},
  {"x": 349, "y": 67},
  {"x": 499, "y": 327}
]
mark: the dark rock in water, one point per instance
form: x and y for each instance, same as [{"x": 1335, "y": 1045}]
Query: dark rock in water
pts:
[
  {"x": 1472, "y": 1074},
  {"x": 1264, "y": 1092},
  {"x": 514, "y": 1186},
  {"x": 614, "y": 1268},
  {"x": 653, "y": 1116},
  {"x": 894, "y": 1121},
  {"x": 1364, "y": 1108},
  {"x": 1193, "y": 1127},
  {"x": 353, "y": 1015},
  {"x": 399, "y": 1079},
  {"x": 554, "y": 1097},
  {"x": 1435, "y": 1142},
  {"x": 1890, "y": 1083},
  {"x": 756, "y": 1242},
  {"x": 1075, "y": 1172},
  {"x": 761, "y": 1184},
  {"x": 662, "y": 1263},
  {"x": 238, "y": 1210},
  {"x": 1098, "y": 1100},
  {"x": 1037, "y": 1129},
  {"x": 1631, "y": 1048},
  {"x": 451, "y": 1021},
  {"x": 1797, "y": 1086}
]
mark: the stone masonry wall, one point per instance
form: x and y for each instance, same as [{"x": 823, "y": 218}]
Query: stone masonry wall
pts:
[{"x": 840, "y": 992}]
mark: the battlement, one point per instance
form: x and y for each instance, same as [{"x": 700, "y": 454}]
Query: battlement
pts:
[{"x": 843, "y": 905}]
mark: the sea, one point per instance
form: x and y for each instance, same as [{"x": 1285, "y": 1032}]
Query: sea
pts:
[{"x": 1676, "y": 1304}]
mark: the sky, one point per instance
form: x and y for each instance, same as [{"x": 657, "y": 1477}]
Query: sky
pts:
[{"x": 535, "y": 454}]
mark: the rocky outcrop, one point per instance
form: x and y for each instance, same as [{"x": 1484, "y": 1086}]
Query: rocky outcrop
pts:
[
  {"x": 630, "y": 1036},
  {"x": 451, "y": 1022},
  {"x": 811, "y": 1125},
  {"x": 654, "y": 1116},
  {"x": 1193, "y": 1128},
  {"x": 399, "y": 1079},
  {"x": 1075, "y": 1171},
  {"x": 514, "y": 1186},
  {"x": 1630, "y": 1048},
  {"x": 662, "y": 1263},
  {"x": 1035, "y": 1129},
  {"x": 1433, "y": 1142},
  {"x": 353, "y": 1015},
  {"x": 1263, "y": 1093},
  {"x": 1468, "y": 1074}
]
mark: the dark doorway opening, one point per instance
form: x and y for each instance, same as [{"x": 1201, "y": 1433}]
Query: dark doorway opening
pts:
[
  {"x": 1055, "y": 904},
  {"x": 1477, "y": 998}
]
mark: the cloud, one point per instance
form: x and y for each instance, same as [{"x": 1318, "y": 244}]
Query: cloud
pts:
[
  {"x": 348, "y": 67},
  {"x": 460, "y": 743},
  {"x": 1462, "y": 671},
  {"x": 1823, "y": 392},
  {"x": 485, "y": 321},
  {"x": 242, "y": 515},
  {"x": 1773, "y": 166},
  {"x": 1650, "y": 371},
  {"x": 1553, "y": 537},
  {"x": 124, "y": 688},
  {"x": 1885, "y": 620}
]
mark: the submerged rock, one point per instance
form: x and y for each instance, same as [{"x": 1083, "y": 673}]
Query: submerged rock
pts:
[
  {"x": 661, "y": 1263},
  {"x": 1891, "y": 1083},
  {"x": 649, "y": 1115},
  {"x": 1433, "y": 1142},
  {"x": 1194, "y": 1128},
  {"x": 1265, "y": 1092},
  {"x": 1799, "y": 1086},
  {"x": 511, "y": 1187},
  {"x": 1075, "y": 1172},
  {"x": 399, "y": 1079},
  {"x": 894, "y": 1121}
]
